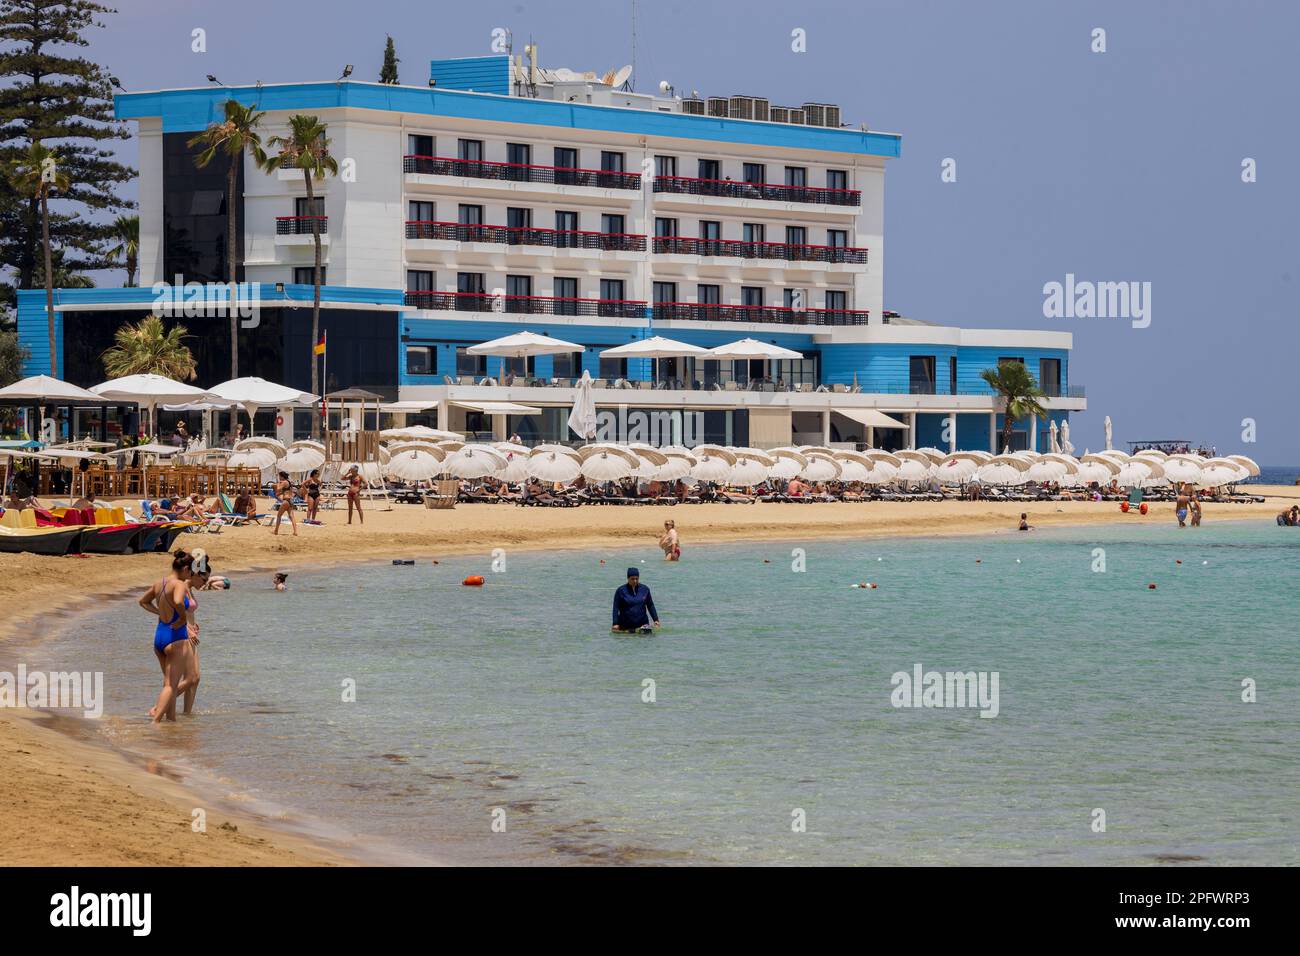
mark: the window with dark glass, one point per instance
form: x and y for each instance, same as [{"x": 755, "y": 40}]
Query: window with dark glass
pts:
[
  {"x": 796, "y": 176},
  {"x": 796, "y": 235},
  {"x": 194, "y": 213},
  {"x": 611, "y": 162},
  {"x": 519, "y": 154},
  {"x": 470, "y": 283},
  {"x": 419, "y": 211},
  {"x": 710, "y": 169},
  {"x": 751, "y": 295},
  {"x": 920, "y": 374},
  {"x": 1049, "y": 376},
  {"x": 469, "y": 215},
  {"x": 418, "y": 144},
  {"x": 665, "y": 227},
  {"x": 565, "y": 158},
  {"x": 420, "y": 360},
  {"x": 665, "y": 165},
  {"x": 952, "y": 375},
  {"x": 612, "y": 369},
  {"x": 710, "y": 229},
  {"x": 837, "y": 179},
  {"x": 469, "y": 364},
  {"x": 754, "y": 173},
  {"x": 302, "y": 275},
  {"x": 1011, "y": 360},
  {"x": 304, "y": 207},
  {"x": 611, "y": 290},
  {"x": 518, "y": 366},
  {"x": 796, "y": 299},
  {"x": 837, "y": 238},
  {"x": 567, "y": 365},
  {"x": 419, "y": 280},
  {"x": 612, "y": 223},
  {"x": 519, "y": 287},
  {"x": 519, "y": 217},
  {"x": 836, "y": 300},
  {"x": 754, "y": 232},
  {"x": 470, "y": 150},
  {"x": 708, "y": 294},
  {"x": 665, "y": 292},
  {"x": 566, "y": 295},
  {"x": 565, "y": 222}
]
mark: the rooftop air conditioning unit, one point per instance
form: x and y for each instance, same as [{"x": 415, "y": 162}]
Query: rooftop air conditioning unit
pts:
[
  {"x": 780, "y": 114},
  {"x": 718, "y": 105},
  {"x": 794, "y": 115},
  {"x": 693, "y": 106},
  {"x": 760, "y": 108},
  {"x": 817, "y": 114},
  {"x": 742, "y": 107}
]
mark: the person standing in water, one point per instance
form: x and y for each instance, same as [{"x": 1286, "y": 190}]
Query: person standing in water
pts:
[
  {"x": 200, "y": 580},
  {"x": 634, "y": 608},
  {"x": 354, "y": 494},
  {"x": 284, "y": 499},
  {"x": 170, "y": 601},
  {"x": 669, "y": 541},
  {"x": 1180, "y": 506}
]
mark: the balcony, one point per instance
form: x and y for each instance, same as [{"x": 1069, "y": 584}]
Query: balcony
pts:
[
  {"x": 526, "y": 236},
  {"x": 676, "y": 245},
  {"x": 301, "y": 225},
  {"x": 767, "y": 314},
  {"x": 518, "y": 173},
  {"x": 525, "y": 304},
  {"x": 731, "y": 189}
]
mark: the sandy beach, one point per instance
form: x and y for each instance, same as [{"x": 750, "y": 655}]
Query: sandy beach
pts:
[{"x": 70, "y": 801}]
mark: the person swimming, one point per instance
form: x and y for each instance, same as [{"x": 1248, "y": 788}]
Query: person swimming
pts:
[
  {"x": 1024, "y": 521},
  {"x": 279, "y": 580},
  {"x": 634, "y": 608}
]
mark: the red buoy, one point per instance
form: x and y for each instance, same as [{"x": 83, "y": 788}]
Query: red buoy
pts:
[
  {"x": 1151, "y": 587},
  {"x": 476, "y": 581},
  {"x": 1123, "y": 506},
  {"x": 1143, "y": 507}
]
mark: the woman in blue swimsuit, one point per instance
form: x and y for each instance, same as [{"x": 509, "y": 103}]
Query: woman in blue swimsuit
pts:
[{"x": 170, "y": 600}]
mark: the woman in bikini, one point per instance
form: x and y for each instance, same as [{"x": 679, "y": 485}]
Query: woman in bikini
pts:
[
  {"x": 312, "y": 487},
  {"x": 354, "y": 494},
  {"x": 284, "y": 495},
  {"x": 669, "y": 541},
  {"x": 170, "y": 601}
]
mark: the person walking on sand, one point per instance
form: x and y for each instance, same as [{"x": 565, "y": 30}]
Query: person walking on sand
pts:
[
  {"x": 354, "y": 494},
  {"x": 169, "y": 600},
  {"x": 312, "y": 489},
  {"x": 669, "y": 541},
  {"x": 284, "y": 497}
]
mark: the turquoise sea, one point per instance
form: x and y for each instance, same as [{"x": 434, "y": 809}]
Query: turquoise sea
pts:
[{"x": 771, "y": 701}]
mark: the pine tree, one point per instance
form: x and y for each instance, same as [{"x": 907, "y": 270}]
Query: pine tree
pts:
[
  {"x": 389, "y": 72},
  {"x": 48, "y": 92}
]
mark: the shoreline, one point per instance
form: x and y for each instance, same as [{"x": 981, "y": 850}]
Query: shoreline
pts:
[{"x": 133, "y": 809}]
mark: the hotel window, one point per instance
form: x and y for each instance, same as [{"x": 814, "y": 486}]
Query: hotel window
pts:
[
  {"x": 612, "y": 224},
  {"x": 920, "y": 374},
  {"x": 837, "y": 179},
  {"x": 567, "y": 365},
  {"x": 302, "y": 275},
  {"x": 419, "y": 211},
  {"x": 836, "y": 301},
  {"x": 666, "y": 166},
  {"x": 566, "y": 158},
  {"x": 837, "y": 238},
  {"x": 611, "y": 162},
  {"x": 420, "y": 360},
  {"x": 796, "y": 300},
  {"x": 519, "y": 217},
  {"x": 519, "y": 154},
  {"x": 304, "y": 207},
  {"x": 796, "y": 235},
  {"x": 418, "y": 145},
  {"x": 524, "y": 367},
  {"x": 1049, "y": 376},
  {"x": 470, "y": 150},
  {"x": 612, "y": 369},
  {"x": 469, "y": 215},
  {"x": 754, "y": 232},
  {"x": 419, "y": 280},
  {"x": 754, "y": 173},
  {"x": 796, "y": 176},
  {"x": 611, "y": 290},
  {"x": 470, "y": 283},
  {"x": 710, "y": 169},
  {"x": 665, "y": 292},
  {"x": 566, "y": 295},
  {"x": 566, "y": 222},
  {"x": 665, "y": 228},
  {"x": 474, "y": 366},
  {"x": 520, "y": 287},
  {"x": 795, "y": 371},
  {"x": 952, "y": 375},
  {"x": 751, "y": 295},
  {"x": 710, "y": 229},
  {"x": 708, "y": 294}
]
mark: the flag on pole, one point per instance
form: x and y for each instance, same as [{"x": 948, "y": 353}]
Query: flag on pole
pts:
[{"x": 320, "y": 346}]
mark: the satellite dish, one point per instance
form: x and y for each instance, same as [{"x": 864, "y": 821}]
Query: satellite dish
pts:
[
  {"x": 621, "y": 76},
  {"x": 665, "y": 87}
]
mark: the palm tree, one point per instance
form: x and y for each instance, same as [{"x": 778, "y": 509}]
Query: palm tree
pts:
[
  {"x": 306, "y": 148},
  {"x": 126, "y": 233},
  {"x": 38, "y": 175},
  {"x": 238, "y": 132},
  {"x": 146, "y": 347},
  {"x": 1019, "y": 391}
]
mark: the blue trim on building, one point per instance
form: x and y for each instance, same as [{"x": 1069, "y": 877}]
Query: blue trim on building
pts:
[
  {"x": 473, "y": 74},
  {"x": 192, "y": 110}
]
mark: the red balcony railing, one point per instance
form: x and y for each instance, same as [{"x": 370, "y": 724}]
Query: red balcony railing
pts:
[
  {"x": 525, "y": 304},
  {"x": 520, "y": 173},
  {"x": 526, "y": 236},
  {"x": 790, "y": 252},
  {"x": 300, "y": 225},
  {"x": 697, "y": 312},
  {"x": 772, "y": 191}
]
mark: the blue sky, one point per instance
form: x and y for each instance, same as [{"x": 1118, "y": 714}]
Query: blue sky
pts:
[{"x": 1123, "y": 165}]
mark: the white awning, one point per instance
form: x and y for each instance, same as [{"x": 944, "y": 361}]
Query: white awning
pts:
[
  {"x": 398, "y": 407},
  {"x": 870, "y": 417},
  {"x": 499, "y": 408}
]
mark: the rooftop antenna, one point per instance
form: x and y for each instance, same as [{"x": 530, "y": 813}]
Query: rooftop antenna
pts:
[{"x": 629, "y": 86}]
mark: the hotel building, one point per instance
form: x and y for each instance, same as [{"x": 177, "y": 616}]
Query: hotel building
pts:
[{"x": 502, "y": 197}]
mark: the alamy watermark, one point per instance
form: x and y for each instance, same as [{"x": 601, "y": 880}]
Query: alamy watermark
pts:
[
  {"x": 1083, "y": 299},
  {"x": 209, "y": 300},
  {"x": 667, "y": 427},
  {"x": 59, "y": 690},
  {"x": 948, "y": 689}
]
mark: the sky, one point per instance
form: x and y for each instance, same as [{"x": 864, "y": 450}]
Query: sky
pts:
[{"x": 1115, "y": 166}]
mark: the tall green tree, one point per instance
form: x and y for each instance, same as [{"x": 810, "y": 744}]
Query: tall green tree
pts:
[
  {"x": 146, "y": 347},
  {"x": 237, "y": 133},
  {"x": 38, "y": 175},
  {"x": 50, "y": 93},
  {"x": 388, "y": 72},
  {"x": 306, "y": 147},
  {"x": 126, "y": 244},
  {"x": 12, "y": 358},
  {"x": 1019, "y": 392}
]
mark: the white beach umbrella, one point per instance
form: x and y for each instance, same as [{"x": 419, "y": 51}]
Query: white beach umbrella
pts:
[
  {"x": 1219, "y": 474},
  {"x": 44, "y": 390},
  {"x": 273, "y": 445},
  {"x": 920, "y": 457},
  {"x": 788, "y": 463},
  {"x": 1106, "y": 461},
  {"x": 956, "y": 469},
  {"x": 821, "y": 468},
  {"x": 752, "y": 349},
  {"x": 582, "y": 418},
  {"x": 1001, "y": 473},
  {"x": 414, "y": 465},
  {"x": 1046, "y": 470},
  {"x": 522, "y": 345},
  {"x": 553, "y": 466},
  {"x": 913, "y": 470},
  {"x": 149, "y": 391},
  {"x": 308, "y": 443},
  {"x": 882, "y": 471},
  {"x": 747, "y": 471},
  {"x": 252, "y": 393},
  {"x": 299, "y": 461},
  {"x": 609, "y": 464},
  {"x": 1247, "y": 463},
  {"x": 474, "y": 461},
  {"x": 884, "y": 457},
  {"x": 1136, "y": 474},
  {"x": 516, "y": 469},
  {"x": 370, "y": 471},
  {"x": 1179, "y": 470},
  {"x": 852, "y": 469},
  {"x": 654, "y": 347},
  {"x": 677, "y": 466},
  {"x": 421, "y": 431},
  {"x": 259, "y": 458},
  {"x": 511, "y": 448},
  {"x": 1092, "y": 471},
  {"x": 712, "y": 466}
]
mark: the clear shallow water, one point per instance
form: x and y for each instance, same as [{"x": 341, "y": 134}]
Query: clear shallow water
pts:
[{"x": 773, "y": 693}]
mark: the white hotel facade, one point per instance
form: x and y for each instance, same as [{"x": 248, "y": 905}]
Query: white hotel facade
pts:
[{"x": 505, "y": 197}]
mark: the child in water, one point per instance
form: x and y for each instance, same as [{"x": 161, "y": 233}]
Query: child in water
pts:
[
  {"x": 280, "y": 578},
  {"x": 1024, "y": 522}
]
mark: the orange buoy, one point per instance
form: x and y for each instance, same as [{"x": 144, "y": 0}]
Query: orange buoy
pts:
[
  {"x": 1151, "y": 587},
  {"x": 873, "y": 585},
  {"x": 1123, "y": 506},
  {"x": 473, "y": 581},
  {"x": 1143, "y": 507}
]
